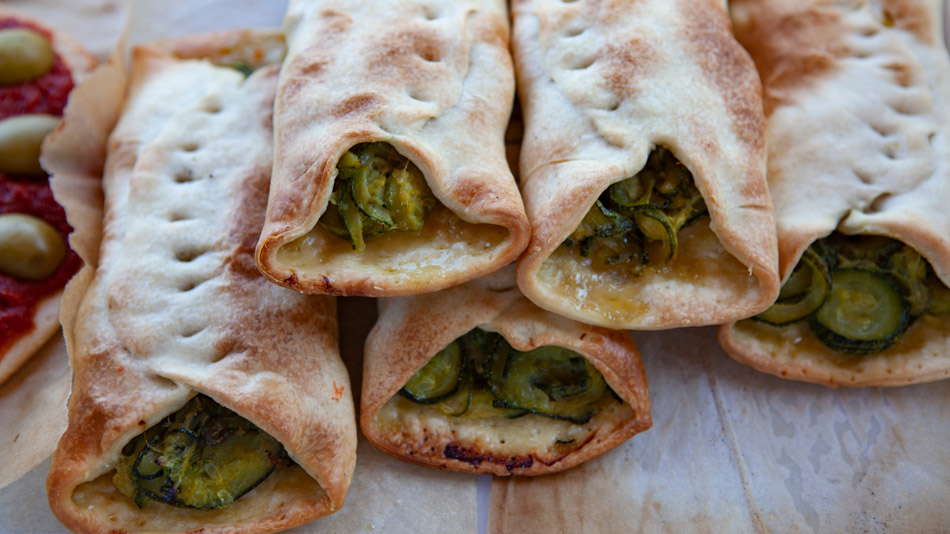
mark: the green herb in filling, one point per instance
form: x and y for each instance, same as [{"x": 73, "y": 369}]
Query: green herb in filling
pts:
[
  {"x": 638, "y": 219},
  {"x": 376, "y": 191},
  {"x": 480, "y": 375},
  {"x": 859, "y": 293},
  {"x": 203, "y": 456}
]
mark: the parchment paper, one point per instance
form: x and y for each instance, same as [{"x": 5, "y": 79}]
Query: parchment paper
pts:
[{"x": 731, "y": 450}]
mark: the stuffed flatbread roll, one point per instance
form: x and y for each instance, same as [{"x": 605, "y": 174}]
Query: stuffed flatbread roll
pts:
[
  {"x": 204, "y": 397},
  {"x": 643, "y": 164},
  {"x": 857, "y": 97},
  {"x": 390, "y": 175},
  {"x": 479, "y": 380},
  {"x": 38, "y": 69}
]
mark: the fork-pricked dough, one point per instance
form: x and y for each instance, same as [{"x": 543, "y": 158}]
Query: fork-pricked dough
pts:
[
  {"x": 434, "y": 80},
  {"x": 857, "y": 95},
  {"x": 178, "y": 308},
  {"x": 602, "y": 82},
  {"x": 420, "y": 326}
]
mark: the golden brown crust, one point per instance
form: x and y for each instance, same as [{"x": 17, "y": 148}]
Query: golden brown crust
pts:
[
  {"x": 601, "y": 86},
  {"x": 437, "y": 84},
  {"x": 421, "y": 326},
  {"x": 858, "y": 143},
  {"x": 177, "y": 307},
  {"x": 15, "y": 352}
]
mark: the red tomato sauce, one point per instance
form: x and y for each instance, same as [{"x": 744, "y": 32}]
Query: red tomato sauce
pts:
[
  {"x": 32, "y": 195},
  {"x": 47, "y": 94}
]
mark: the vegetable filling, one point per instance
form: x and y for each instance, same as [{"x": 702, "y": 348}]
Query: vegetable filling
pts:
[
  {"x": 480, "y": 375},
  {"x": 859, "y": 294},
  {"x": 635, "y": 222},
  {"x": 376, "y": 191},
  {"x": 202, "y": 456}
]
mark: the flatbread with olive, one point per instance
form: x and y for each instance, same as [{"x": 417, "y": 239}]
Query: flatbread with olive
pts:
[
  {"x": 486, "y": 382},
  {"x": 643, "y": 164},
  {"x": 858, "y": 103},
  {"x": 204, "y": 397},
  {"x": 38, "y": 68},
  {"x": 395, "y": 182}
]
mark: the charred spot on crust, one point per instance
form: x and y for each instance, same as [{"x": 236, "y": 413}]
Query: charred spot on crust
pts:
[{"x": 457, "y": 452}]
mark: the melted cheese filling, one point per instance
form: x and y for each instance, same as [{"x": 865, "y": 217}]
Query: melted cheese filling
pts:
[
  {"x": 710, "y": 273},
  {"x": 445, "y": 243},
  {"x": 796, "y": 344},
  {"x": 421, "y": 427},
  {"x": 282, "y": 493}
]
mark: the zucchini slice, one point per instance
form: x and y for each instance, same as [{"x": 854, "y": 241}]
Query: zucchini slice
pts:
[
  {"x": 803, "y": 293},
  {"x": 638, "y": 214},
  {"x": 550, "y": 381},
  {"x": 656, "y": 226},
  {"x": 203, "y": 456},
  {"x": 376, "y": 191},
  {"x": 480, "y": 376},
  {"x": 438, "y": 379},
  {"x": 909, "y": 270},
  {"x": 861, "y": 251},
  {"x": 600, "y": 221},
  {"x": 939, "y": 295},
  {"x": 865, "y": 312},
  {"x": 408, "y": 199},
  {"x": 368, "y": 188}
]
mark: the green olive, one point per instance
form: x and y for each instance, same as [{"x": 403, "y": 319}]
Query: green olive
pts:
[
  {"x": 29, "y": 247},
  {"x": 20, "y": 140},
  {"x": 24, "y": 55}
]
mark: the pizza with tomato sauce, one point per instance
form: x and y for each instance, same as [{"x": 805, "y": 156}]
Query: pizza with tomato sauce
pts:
[{"x": 38, "y": 69}]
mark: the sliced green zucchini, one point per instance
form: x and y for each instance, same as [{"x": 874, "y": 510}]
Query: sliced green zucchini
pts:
[
  {"x": 202, "y": 456},
  {"x": 865, "y": 312},
  {"x": 656, "y": 226},
  {"x": 641, "y": 212},
  {"x": 804, "y": 292},
  {"x": 632, "y": 192},
  {"x": 600, "y": 221},
  {"x": 352, "y": 219},
  {"x": 333, "y": 221},
  {"x": 376, "y": 191},
  {"x": 483, "y": 407},
  {"x": 368, "y": 188},
  {"x": 408, "y": 199},
  {"x": 438, "y": 379},
  {"x": 861, "y": 251},
  {"x": 909, "y": 269},
  {"x": 479, "y": 346},
  {"x": 459, "y": 402},
  {"x": 481, "y": 376},
  {"x": 550, "y": 381},
  {"x": 939, "y": 295}
]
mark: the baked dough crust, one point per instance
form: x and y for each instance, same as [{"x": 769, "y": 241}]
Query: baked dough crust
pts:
[
  {"x": 422, "y": 325},
  {"x": 178, "y": 308},
  {"x": 601, "y": 84},
  {"x": 858, "y": 101},
  {"x": 435, "y": 81},
  {"x": 17, "y": 351}
]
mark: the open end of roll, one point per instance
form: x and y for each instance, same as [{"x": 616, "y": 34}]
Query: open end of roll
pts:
[
  {"x": 479, "y": 405},
  {"x": 201, "y": 466},
  {"x": 644, "y": 235},
  {"x": 858, "y": 294},
  {"x": 384, "y": 222}
]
